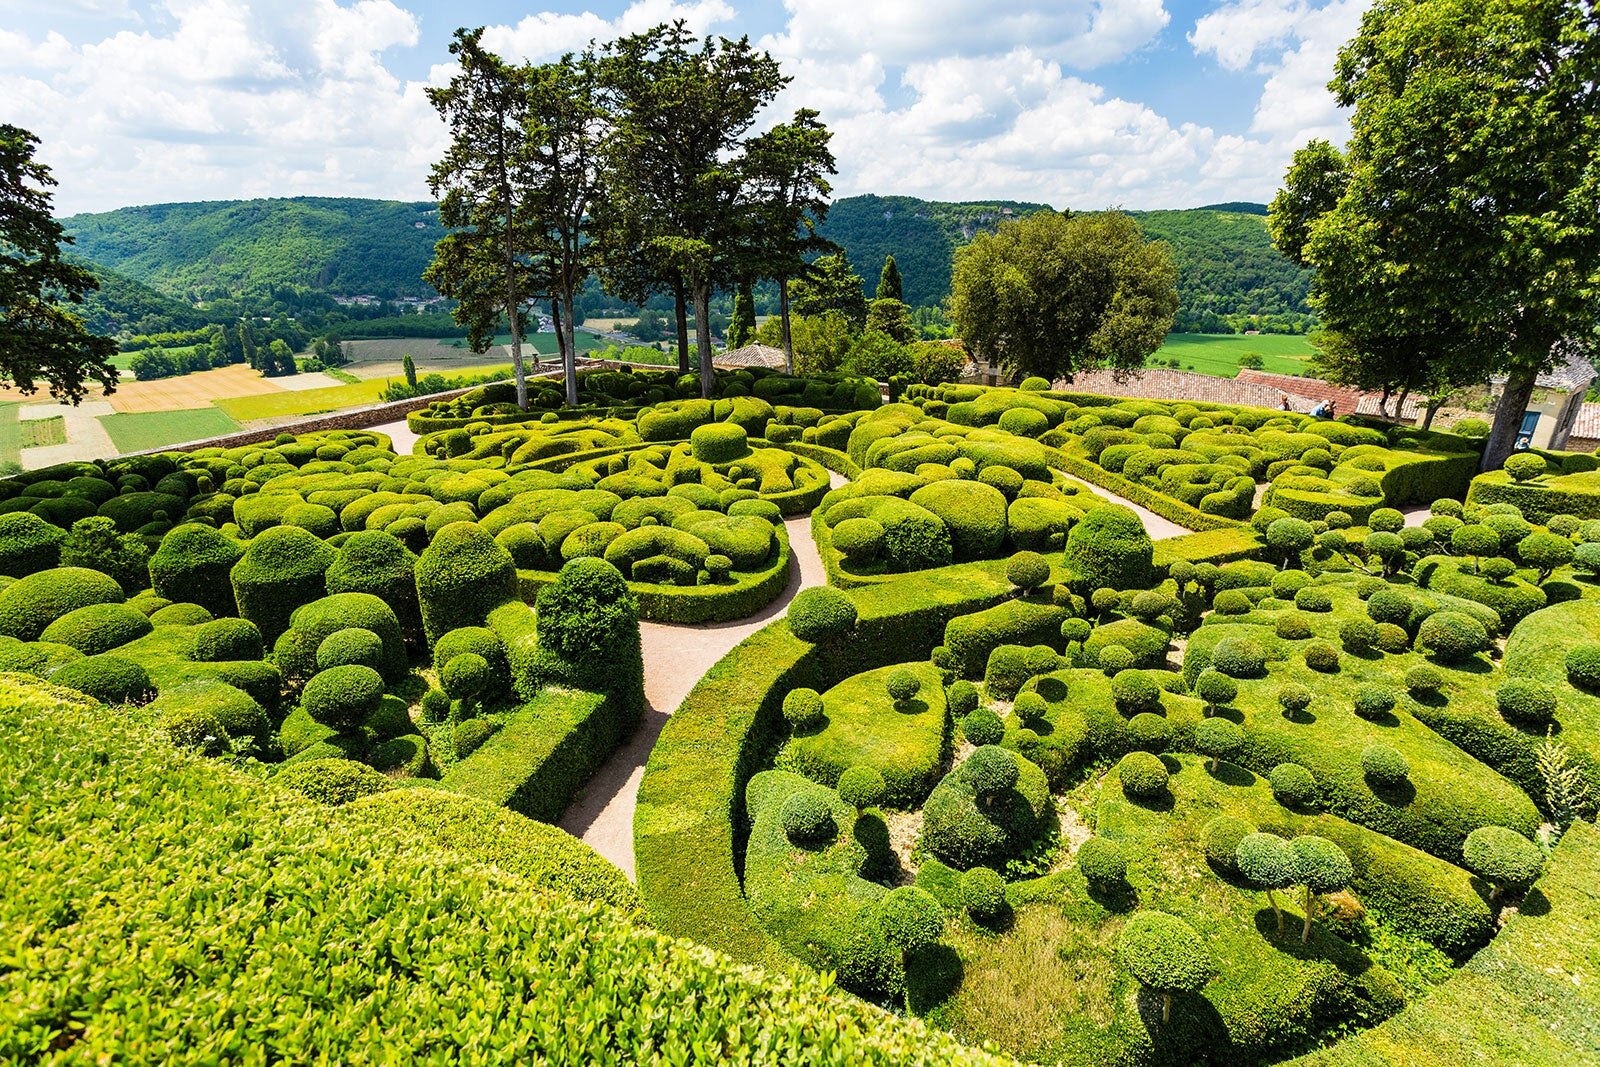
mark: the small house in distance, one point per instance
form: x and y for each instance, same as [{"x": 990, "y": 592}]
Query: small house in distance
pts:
[
  {"x": 750, "y": 356},
  {"x": 1557, "y": 400}
]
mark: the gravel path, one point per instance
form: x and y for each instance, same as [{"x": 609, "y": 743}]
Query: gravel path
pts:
[
  {"x": 1154, "y": 524},
  {"x": 400, "y": 434},
  {"x": 675, "y": 658}
]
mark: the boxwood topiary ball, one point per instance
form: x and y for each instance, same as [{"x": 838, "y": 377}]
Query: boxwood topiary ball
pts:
[
  {"x": 1030, "y": 708},
  {"x": 332, "y": 781},
  {"x": 196, "y": 728},
  {"x": 1373, "y": 701},
  {"x": 1320, "y": 865},
  {"x": 96, "y": 628},
  {"x": 1392, "y": 638},
  {"x": 350, "y": 646},
  {"x": 1583, "y": 666},
  {"x": 859, "y": 539},
  {"x": 1384, "y": 766},
  {"x": 821, "y": 613},
  {"x": 1292, "y": 784},
  {"x": 1424, "y": 680},
  {"x": 1322, "y": 656},
  {"x": 983, "y": 894},
  {"x": 1150, "y": 732},
  {"x": 719, "y": 442},
  {"x": 1164, "y": 953},
  {"x": 1523, "y": 700},
  {"x": 861, "y": 787},
  {"x": 962, "y": 698},
  {"x": 1135, "y": 691},
  {"x": 1239, "y": 657},
  {"x": 1232, "y": 602},
  {"x": 466, "y": 676},
  {"x": 1451, "y": 637},
  {"x": 1027, "y": 570},
  {"x": 991, "y": 770},
  {"x": 1292, "y": 626},
  {"x": 108, "y": 679},
  {"x": 1220, "y": 839},
  {"x": 1266, "y": 860},
  {"x": 983, "y": 727},
  {"x": 1294, "y": 698},
  {"x": 910, "y": 918},
  {"x": 1115, "y": 659},
  {"x": 1502, "y": 857},
  {"x": 902, "y": 685},
  {"x": 343, "y": 697},
  {"x": 802, "y": 709},
  {"x": 807, "y": 815},
  {"x": 1102, "y": 862},
  {"x": 468, "y": 736},
  {"x": 1215, "y": 688},
  {"x": 1143, "y": 775}
]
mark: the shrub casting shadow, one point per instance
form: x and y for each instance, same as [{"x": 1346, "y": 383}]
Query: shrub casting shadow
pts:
[
  {"x": 1114, "y": 898},
  {"x": 1195, "y": 1024},
  {"x": 932, "y": 975},
  {"x": 914, "y": 706},
  {"x": 1162, "y": 803},
  {"x": 1231, "y": 774},
  {"x": 1398, "y": 795},
  {"x": 872, "y": 834},
  {"x": 1053, "y": 690}
]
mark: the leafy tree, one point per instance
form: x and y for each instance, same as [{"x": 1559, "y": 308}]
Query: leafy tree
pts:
[
  {"x": 877, "y": 355},
  {"x": 787, "y": 170},
  {"x": 279, "y": 360},
  {"x": 742, "y": 326},
  {"x": 889, "y": 287},
  {"x": 831, "y": 285},
  {"x": 1321, "y": 867},
  {"x": 1267, "y": 862},
  {"x": 676, "y": 161},
  {"x": 39, "y": 338},
  {"x": 1053, "y": 294},
  {"x": 821, "y": 342},
  {"x": 889, "y": 316},
  {"x": 1463, "y": 210},
  {"x": 1165, "y": 955},
  {"x": 409, "y": 367},
  {"x": 484, "y": 187}
]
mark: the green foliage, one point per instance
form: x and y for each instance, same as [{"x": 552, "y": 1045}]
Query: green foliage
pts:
[
  {"x": 910, "y": 918},
  {"x": 1502, "y": 857},
  {"x": 333, "y": 782},
  {"x": 1164, "y": 954},
  {"x": 1525, "y": 701},
  {"x": 1451, "y": 637},
  {"x": 802, "y": 709},
  {"x": 342, "y": 697},
  {"x": 32, "y": 603},
  {"x": 1109, "y": 547},
  {"x": 807, "y": 816},
  {"x": 1028, "y": 570},
  {"x": 281, "y": 570},
  {"x": 1143, "y": 775},
  {"x": 1384, "y": 766},
  {"x": 1293, "y": 785},
  {"x": 983, "y": 894},
  {"x": 1102, "y": 862},
  {"x": 95, "y": 543},
  {"x": 861, "y": 787},
  {"x": 28, "y": 543},
  {"x": 821, "y": 614},
  {"x": 1220, "y": 838},
  {"x": 462, "y": 576}
]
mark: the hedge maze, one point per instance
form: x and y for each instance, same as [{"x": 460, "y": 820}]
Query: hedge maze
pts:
[{"x": 1317, "y": 779}]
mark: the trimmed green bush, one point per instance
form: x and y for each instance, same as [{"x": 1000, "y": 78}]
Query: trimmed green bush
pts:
[
  {"x": 108, "y": 679},
  {"x": 861, "y": 540},
  {"x": 1220, "y": 839},
  {"x": 1374, "y": 701},
  {"x": 1451, "y": 637},
  {"x": 28, "y": 543},
  {"x": 820, "y": 614},
  {"x": 1503, "y": 858},
  {"x": 719, "y": 442},
  {"x": 1384, "y": 766},
  {"x": 910, "y": 918},
  {"x": 1215, "y": 689},
  {"x": 1218, "y": 739},
  {"x": 1321, "y": 656},
  {"x": 1109, "y": 548},
  {"x": 902, "y": 685},
  {"x": 1027, "y": 570},
  {"x": 861, "y": 787},
  {"x": 371, "y": 561},
  {"x": 462, "y": 576},
  {"x": 333, "y": 782},
  {"x": 991, "y": 770},
  {"x": 29, "y": 605},
  {"x": 1523, "y": 700},
  {"x": 1322, "y": 867},
  {"x": 1359, "y": 636},
  {"x": 802, "y": 709},
  {"x": 97, "y": 628},
  {"x": 1424, "y": 680},
  {"x": 343, "y": 697},
  {"x": 1165, "y": 955},
  {"x": 196, "y": 728},
  {"x": 1143, "y": 775},
  {"x": 1293, "y": 785},
  {"x": 1239, "y": 657},
  {"x": 282, "y": 569},
  {"x": 962, "y": 698},
  {"x": 1583, "y": 666},
  {"x": 315, "y": 622},
  {"x": 465, "y": 676},
  {"x": 807, "y": 816},
  {"x": 1135, "y": 691},
  {"x": 350, "y": 646},
  {"x": 983, "y": 894},
  {"x": 1267, "y": 862},
  {"x": 1102, "y": 862},
  {"x": 982, "y": 727}
]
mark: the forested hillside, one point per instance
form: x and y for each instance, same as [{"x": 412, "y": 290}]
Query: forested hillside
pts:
[{"x": 338, "y": 246}]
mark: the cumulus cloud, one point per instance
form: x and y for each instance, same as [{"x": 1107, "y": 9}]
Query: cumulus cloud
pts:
[{"x": 548, "y": 35}]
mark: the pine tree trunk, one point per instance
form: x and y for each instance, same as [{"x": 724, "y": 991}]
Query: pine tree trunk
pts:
[
  {"x": 1508, "y": 414},
  {"x": 702, "y": 337},
  {"x": 561, "y": 337},
  {"x": 681, "y": 305},
  {"x": 783, "y": 319}
]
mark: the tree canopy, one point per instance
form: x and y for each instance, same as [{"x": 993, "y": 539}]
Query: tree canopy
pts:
[
  {"x": 40, "y": 339},
  {"x": 1051, "y": 294}
]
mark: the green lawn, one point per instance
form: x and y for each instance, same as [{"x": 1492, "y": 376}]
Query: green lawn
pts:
[
  {"x": 137, "y": 431},
  {"x": 10, "y": 434},
  {"x": 41, "y": 433},
  {"x": 1218, "y": 353},
  {"x": 303, "y": 401}
]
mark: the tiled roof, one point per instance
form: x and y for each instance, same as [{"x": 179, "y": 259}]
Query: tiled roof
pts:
[
  {"x": 1312, "y": 389},
  {"x": 1587, "y": 424},
  {"x": 751, "y": 356},
  {"x": 1572, "y": 373},
  {"x": 1161, "y": 384}
]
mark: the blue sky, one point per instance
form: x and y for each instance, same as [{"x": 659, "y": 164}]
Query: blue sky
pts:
[{"x": 1076, "y": 103}]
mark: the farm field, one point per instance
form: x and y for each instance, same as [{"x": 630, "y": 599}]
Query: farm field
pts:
[
  {"x": 137, "y": 431},
  {"x": 301, "y": 401},
  {"x": 1218, "y": 353},
  {"x": 10, "y": 434}
]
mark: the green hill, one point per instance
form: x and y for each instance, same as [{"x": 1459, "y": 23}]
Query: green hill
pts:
[{"x": 338, "y": 246}]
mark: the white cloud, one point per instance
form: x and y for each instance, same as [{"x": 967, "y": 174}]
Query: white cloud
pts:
[{"x": 547, "y": 35}]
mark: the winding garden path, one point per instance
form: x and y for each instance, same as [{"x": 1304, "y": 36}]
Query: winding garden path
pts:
[{"x": 675, "y": 658}]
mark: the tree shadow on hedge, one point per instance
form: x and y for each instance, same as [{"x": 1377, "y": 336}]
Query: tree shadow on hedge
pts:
[
  {"x": 1117, "y": 898},
  {"x": 1323, "y": 947},
  {"x": 1399, "y": 795},
  {"x": 1195, "y": 1024},
  {"x": 1231, "y": 774}
]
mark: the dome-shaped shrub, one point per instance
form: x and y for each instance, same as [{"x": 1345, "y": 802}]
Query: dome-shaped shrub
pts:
[
  {"x": 1292, "y": 784},
  {"x": 374, "y": 562},
  {"x": 462, "y": 576},
  {"x": 807, "y": 815},
  {"x": 28, "y": 543},
  {"x": 351, "y": 646},
  {"x": 1294, "y": 698},
  {"x": 1232, "y": 602},
  {"x": 962, "y": 698},
  {"x": 1218, "y": 738},
  {"x": 1359, "y": 636},
  {"x": 802, "y": 709},
  {"x": 1451, "y": 637},
  {"x": 910, "y": 918},
  {"x": 588, "y": 625},
  {"x": 1215, "y": 689},
  {"x": 1109, "y": 548},
  {"x": 719, "y": 442},
  {"x": 859, "y": 539},
  {"x": 1102, "y": 862},
  {"x": 282, "y": 568},
  {"x": 334, "y": 782},
  {"x": 1027, "y": 570},
  {"x": 1149, "y": 732},
  {"x": 1583, "y": 666},
  {"x": 1384, "y": 766},
  {"x": 861, "y": 787},
  {"x": 1239, "y": 657},
  {"x": 1523, "y": 700},
  {"x": 1392, "y": 638},
  {"x": 982, "y": 727},
  {"x": 902, "y": 684},
  {"x": 1373, "y": 701},
  {"x": 1220, "y": 839},
  {"x": 467, "y": 736},
  {"x": 1389, "y": 605},
  {"x": 1292, "y": 626},
  {"x": 991, "y": 770},
  {"x": 1143, "y": 775},
  {"x": 108, "y": 679},
  {"x": 1030, "y": 708},
  {"x": 983, "y": 894},
  {"x": 1115, "y": 659},
  {"x": 821, "y": 613},
  {"x": 343, "y": 697},
  {"x": 1165, "y": 955},
  {"x": 1321, "y": 656},
  {"x": 1503, "y": 858},
  {"x": 30, "y": 604},
  {"x": 1135, "y": 691},
  {"x": 1424, "y": 680},
  {"x": 196, "y": 728},
  {"x": 97, "y": 628},
  {"x": 321, "y": 618},
  {"x": 465, "y": 677}
]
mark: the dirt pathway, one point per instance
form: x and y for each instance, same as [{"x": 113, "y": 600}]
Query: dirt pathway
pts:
[
  {"x": 400, "y": 434},
  {"x": 675, "y": 658}
]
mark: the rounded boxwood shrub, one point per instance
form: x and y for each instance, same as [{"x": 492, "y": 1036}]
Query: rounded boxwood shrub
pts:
[
  {"x": 1102, "y": 862},
  {"x": 962, "y": 698},
  {"x": 902, "y": 685},
  {"x": 374, "y": 562},
  {"x": 1030, "y": 708},
  {"x": 282, "y": 569},
  {"x": 1115, "y": 659},
  {"x": 1525, "y": 466},
  {"x": 1389, "y": 605},
  {"x": 1523, "y": 700},
  {"x": 807, "y": 815},
  {"x": 1321, "y": 656},
  {"x": 1239, "y": 657},
  {"x": 1497, "y": 568},
  {"x": 1294, "y": 698},
  {"x": 859, "y": 539},
  {"x": 179, "y": 615},
  {"x": 821, "y": 613},
  {"x": 1384, "y": 766},
  {"x": 108, "y": 679},
  {"x": 1266, "y": 861},
  {"x": 1232, "y": 602},
  {"x": 861, "y": 787},
  {"x": 719, "y": 442},
  {"x": 1392, "y": 638},
  {"x": 1424, "y": 680},
  {"x": 1369, "y": 585},
  {"x": 991, "y": 770},
  {"x": 1135, "y": 691},
  {"x": 1583, "y": 665},
  {"x": 1451, "y": 637},
  {"x": 982, "y": 727},
  {"x": 1220, "y": 838},
  {"x": 910, "y": 918},
  {"x": 1292, "y": 784},
  {"x": 1218, "y": 739},
  {"x": 28, "y": 543},
  {"x": 1359, "y": 636},
  {"x": 1143, "y": 775},
  {"x": 350, "y": 646},
  {"x": 467, "y": 736},
  {"x": 334, "y": 782},
  {"x": 196, "y": 728},
  {"x": 1165, "y": 955},
  {"x": 404, "y": 756},
  {"x": 30, "y": 604},
  {"x": 1286, "y": 585},
  {"x": 1215, "y": 689},
  {"x": 315, "y": 622},
  {"x": 1503, "y": 858},
  {"x": 465, "y": 676},
  {"x": 983, "y": 894},
  {"x": 343, "y": 697},
  {"x": 1149, "y": 732},
  {"x": 97, "y": 628},
  {"x": 225, "y": 639},
  {"x": 588, "y": 626},
  {"x": 802, "y": 709},
  {"x": 1292, "y": 626},
  {"x": 1027, "y": 570},
  {"x": 1109, "y": 547},
  {"x": 462, "y": 576},
  {"x": 1374, "y": 701}
]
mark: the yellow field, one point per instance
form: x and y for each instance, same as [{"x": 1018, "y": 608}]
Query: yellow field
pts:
[{"x": 283, "y": 403}]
